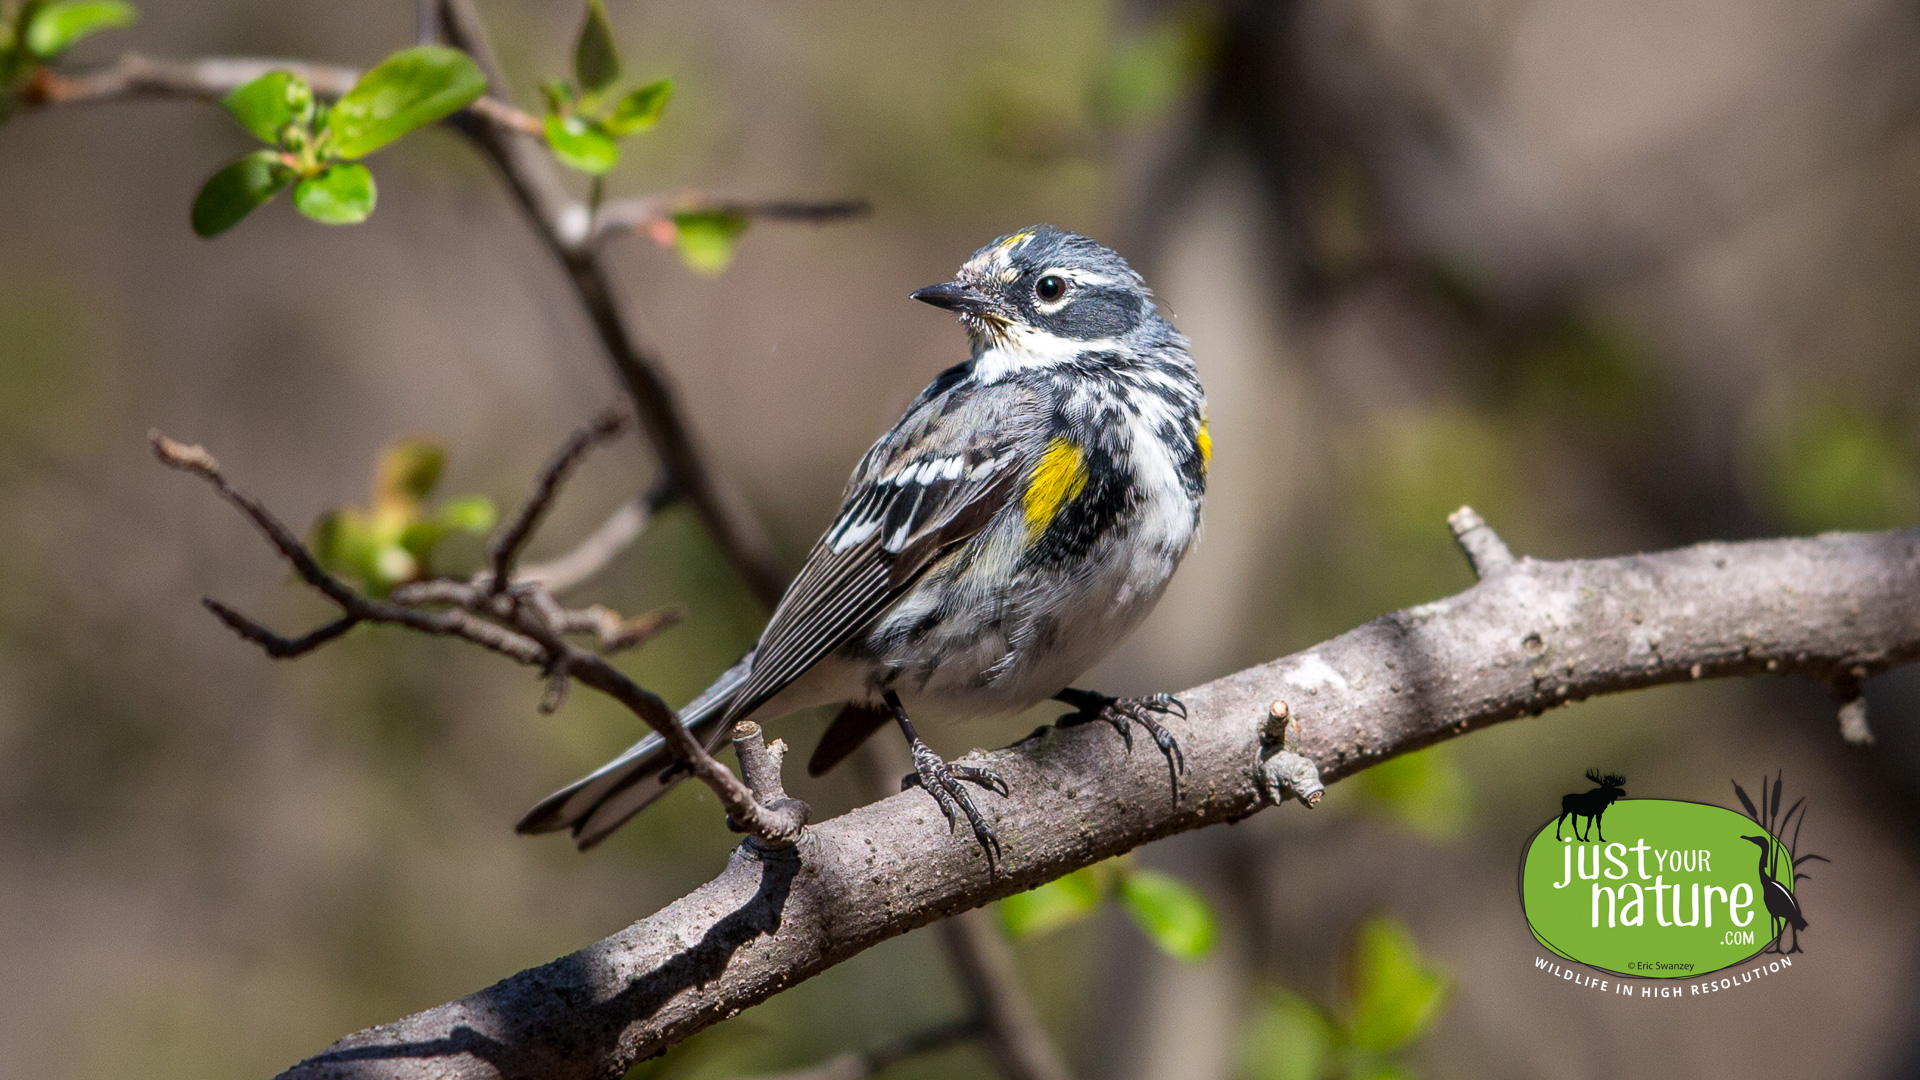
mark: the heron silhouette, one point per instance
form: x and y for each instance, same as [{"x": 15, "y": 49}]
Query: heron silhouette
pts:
[{"x": 1781, "y": 906}]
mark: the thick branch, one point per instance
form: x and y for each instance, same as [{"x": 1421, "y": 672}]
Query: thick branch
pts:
[{"x": 1518, "y": 643}]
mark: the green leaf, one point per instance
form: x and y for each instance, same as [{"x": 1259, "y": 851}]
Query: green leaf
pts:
[
  {"x": 56, "y": 27},
  {"x": 234, "y": 192},
  {"x": 1287, "y": 1038},
  {"x": 1177, "y": 918},
  {"x": 582, "y": 144},
  {"x": 341, "y": 194},
  {"x": 470, "y": 513},
  {"x": 706, "y": 238},
  {"x": 269, "y": 103},
  {"x": 331, "y": 537},
  {"x": 410, "y": 89},
  {"x": 1424, "y": 790},
  {"x": 640, "y": 109},
  {"x": 596, "y": 61},
  {"x": 406, "y": 474},
  {"x": 559, "y": 96},
  {"x": 1058, "y": 903},
  {"x": 1395, "y": 994}
]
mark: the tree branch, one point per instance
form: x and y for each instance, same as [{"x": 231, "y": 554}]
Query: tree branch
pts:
[
  {"x": 862, "y": 1065},
  {"x": 642, "y": 215},
  {"x": 566, "y": 226},
  {"x": 514, "y": 141},
  {"x": 1518, "y": 643},
  {"x": 504, "y": 549},
  {"x": 521, "y": 622},
  {"x": 134, "y": 77}
]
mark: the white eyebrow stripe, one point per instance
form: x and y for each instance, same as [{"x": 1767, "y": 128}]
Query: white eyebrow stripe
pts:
[{"x": 1086, "y": 277}]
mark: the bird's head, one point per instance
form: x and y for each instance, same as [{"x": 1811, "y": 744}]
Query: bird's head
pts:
[{"x": 1045, "y": 292}]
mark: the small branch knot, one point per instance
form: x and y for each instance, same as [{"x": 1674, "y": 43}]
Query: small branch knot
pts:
[
  {"x": 1287, "y": 773},
  {"x": 1284, "y": 772},
  {"x": 782, "y": 816},
  {"x": 1274, "y": 731},
  {"x": 1850, "y": 689},
  {"x": 1485, "y": 551}
]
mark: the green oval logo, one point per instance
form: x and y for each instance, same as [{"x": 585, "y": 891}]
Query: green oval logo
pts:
[{"x": 1656, "y": 888}]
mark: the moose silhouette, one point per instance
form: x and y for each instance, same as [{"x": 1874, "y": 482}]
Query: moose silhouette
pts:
[{"x": 1590, "y": 804}]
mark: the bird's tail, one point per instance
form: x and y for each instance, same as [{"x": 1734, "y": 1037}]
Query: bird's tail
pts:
[{"x": 602, "y": 801}]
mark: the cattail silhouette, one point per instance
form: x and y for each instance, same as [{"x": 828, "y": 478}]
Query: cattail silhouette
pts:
[{"x": 1781, "y": 903}]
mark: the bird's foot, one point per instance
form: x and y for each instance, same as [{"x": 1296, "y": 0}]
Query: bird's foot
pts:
[
  {"x": 943, "y": 781},
  {"x": 1123, "y": 713}
]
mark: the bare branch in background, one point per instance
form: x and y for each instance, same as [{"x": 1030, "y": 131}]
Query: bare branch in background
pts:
[
  {"x": 593, "y": 554},
  {"x": 521, "y": 622},
  {"x": 865, "y": 1064},
  {"x": 1518, "y": 643},
  {"x": 514, "y": 141},
  {"x": 565, "y": 224},
  {"x": 642, "y": 215},
  {"x": 504, "y": 549}
]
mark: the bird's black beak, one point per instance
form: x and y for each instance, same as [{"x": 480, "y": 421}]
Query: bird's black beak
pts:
[{"x": 956, "y": 296}]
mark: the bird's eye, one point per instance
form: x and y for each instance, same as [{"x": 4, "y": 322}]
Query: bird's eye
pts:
[{"x": 1050, "y": 288}]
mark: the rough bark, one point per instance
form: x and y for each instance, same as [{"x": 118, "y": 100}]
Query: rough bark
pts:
[{"x": 1530, "y": 636}]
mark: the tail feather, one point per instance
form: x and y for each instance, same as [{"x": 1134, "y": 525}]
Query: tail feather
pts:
[{"x": 602, "y": 801}]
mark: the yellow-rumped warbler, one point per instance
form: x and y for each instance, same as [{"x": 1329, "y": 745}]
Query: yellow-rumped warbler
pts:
[{"x": 1017, "y": 523}]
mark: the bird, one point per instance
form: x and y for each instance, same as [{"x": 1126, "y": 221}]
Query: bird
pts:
[
  {"x": 1781, "y": 906},
  {"x": 1011, "y": 529}
]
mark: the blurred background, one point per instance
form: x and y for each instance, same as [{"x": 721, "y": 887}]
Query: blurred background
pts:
[{"x": 1622, "y": 274}]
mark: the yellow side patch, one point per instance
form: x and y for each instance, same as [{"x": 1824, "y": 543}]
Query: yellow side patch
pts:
[
  {"x": 1204, "y": 439},
  {"x": 1059, "y": 478}
]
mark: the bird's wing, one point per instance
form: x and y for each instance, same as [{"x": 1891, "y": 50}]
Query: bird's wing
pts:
[{"x": 955, "y": 460}]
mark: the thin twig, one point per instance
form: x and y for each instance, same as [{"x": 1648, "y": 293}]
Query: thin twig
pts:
[
  {"x": 644, "y": 214},
  {"x": 867, "y": 1063},
  {"x": 593, "y": 554},
  {"x": 566, "y": 228},
  {"x": 134, "y": 77},
  {"x": 514, "y": 141},
  {"x": 524, "y": 625},
  {"x": 506, "y": 545},
  {"x": 276, "y": 646}
]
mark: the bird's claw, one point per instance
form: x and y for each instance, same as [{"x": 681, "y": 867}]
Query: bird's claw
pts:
[
  {"x": 944, "y": 782},
  {"x": 1123, "y": 713}
]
